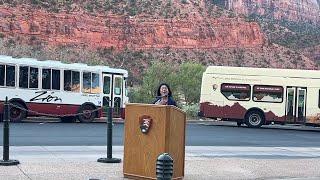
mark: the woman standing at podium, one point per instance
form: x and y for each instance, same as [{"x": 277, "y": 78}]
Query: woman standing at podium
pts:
[{"x": 164, "y": 95}]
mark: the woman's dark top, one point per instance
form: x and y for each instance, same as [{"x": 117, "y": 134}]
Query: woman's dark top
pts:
[{"x": 170, "y": 101}]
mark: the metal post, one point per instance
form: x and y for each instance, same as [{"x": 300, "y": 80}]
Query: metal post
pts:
[
  {"x": 6, "y": 161},
  {"x": 109, "y": 158},
  {"x": 6, "y": 131},
  {"x": 109, "y": 134}
]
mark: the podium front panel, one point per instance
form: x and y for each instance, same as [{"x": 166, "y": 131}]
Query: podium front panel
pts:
[{"x": 166, "y": 134}]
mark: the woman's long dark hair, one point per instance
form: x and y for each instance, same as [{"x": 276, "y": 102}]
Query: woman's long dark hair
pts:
[{"x": 169, "y": 90}]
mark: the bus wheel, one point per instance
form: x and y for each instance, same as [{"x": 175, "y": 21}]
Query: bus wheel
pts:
[
  {"x": 68, "y": 119},
  {"x": 1, "y": 117},
  {"x": 254, "y": 119},
  {"x": 86, "y": 113},
  {"x": 16, "y": 112}
]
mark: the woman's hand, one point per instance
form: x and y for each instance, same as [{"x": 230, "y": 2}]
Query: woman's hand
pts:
[{"x": 162, "y": 101}]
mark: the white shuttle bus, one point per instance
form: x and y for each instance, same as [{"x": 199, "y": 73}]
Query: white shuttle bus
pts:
[
  {"x": 53, "y": 88},
  {"x": 259, "y": 96}
]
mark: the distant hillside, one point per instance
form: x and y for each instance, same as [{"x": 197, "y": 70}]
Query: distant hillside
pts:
[{"x": 289, "y": 10}]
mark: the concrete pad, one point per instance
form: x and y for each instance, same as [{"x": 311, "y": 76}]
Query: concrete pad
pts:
[
  {"x": 15, "y": 177},
  {"x": 239, "y": 168},
  {"x": 224, "y": 162},
  {"x": 10, "y": 171}
]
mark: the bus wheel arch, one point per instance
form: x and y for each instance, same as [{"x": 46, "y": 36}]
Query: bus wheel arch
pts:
[
  {"x": 254, "y": 118},
  {"x": 87, "y": 117},
  {"x": 16, "y": 112}
]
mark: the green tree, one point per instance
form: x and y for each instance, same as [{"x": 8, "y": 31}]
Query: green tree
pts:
[
  {"x": 189, "y": 76},
  {"x": 138, "y": 95},
  {"x": 157, "y": 73}
]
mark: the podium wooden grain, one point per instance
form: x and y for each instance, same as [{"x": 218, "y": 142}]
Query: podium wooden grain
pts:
[{"x": 167, "y": 134}]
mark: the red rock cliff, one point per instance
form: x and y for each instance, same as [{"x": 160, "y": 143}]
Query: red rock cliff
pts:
[
  {"x": 294, "y": 10},
  {"x": 120, "y": 32}
]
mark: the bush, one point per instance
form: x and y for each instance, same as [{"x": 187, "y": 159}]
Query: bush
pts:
[
  {"x": 156, "y": 74},
  {"x": 190, "y": 77},
  {"x": 139, "y": 95},
  {"x": 191, "y": 110}
]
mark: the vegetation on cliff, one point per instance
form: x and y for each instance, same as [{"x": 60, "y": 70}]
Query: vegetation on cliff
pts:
[{"x": 295, "y": 35}]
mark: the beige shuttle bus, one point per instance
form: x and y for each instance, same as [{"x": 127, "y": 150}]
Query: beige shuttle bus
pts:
[{"x": 258, "y": 96}]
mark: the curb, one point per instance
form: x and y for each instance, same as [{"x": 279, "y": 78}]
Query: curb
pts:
[{"x": 276, "y": 126}]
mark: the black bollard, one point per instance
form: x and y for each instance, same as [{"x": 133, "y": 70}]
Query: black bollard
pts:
[
  {"x": 109, "y": 158},
  {"x": 164, "y": 167},
  {"x": 6, "y": 161}
]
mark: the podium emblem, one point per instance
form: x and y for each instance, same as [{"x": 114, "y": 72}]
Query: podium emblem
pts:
[{"x": 145, "y": 122}]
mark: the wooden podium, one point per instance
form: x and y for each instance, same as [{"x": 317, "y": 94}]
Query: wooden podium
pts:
[{"x": 166, "y": 134}]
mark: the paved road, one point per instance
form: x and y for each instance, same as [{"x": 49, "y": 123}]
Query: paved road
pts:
[
  {"x": 94, "y": 134},
  {"x": 59, "y": 151}
]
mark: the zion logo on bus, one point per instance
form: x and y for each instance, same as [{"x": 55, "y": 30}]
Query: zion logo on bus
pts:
[{"x": 44, "y": 97}]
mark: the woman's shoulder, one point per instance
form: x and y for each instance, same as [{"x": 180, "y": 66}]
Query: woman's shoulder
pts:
[{"x": 172, "y": 101}]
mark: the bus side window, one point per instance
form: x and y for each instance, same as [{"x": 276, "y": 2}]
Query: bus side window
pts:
[
  {"x": 75, "y": 81},
  {"x": 2, "y": 69},
  {"x": 236, "y": 91},
  {"x": 46, "y": 78},
  {"x": 71, "y": 81},
  {"x": 34, "y": 77},
  {"x": 267, "y": 93},
  {"x": 95, "y": 88},
  {"x": 11, "y": 76},
  {"x": 55, "y": 79},
  {"x": 23, "y": 76},
  {"x": 86, "y": 82},
  {"x": 67, "y": 80}
]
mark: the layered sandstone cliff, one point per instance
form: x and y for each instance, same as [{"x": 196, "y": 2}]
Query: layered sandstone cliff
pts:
[
  {"x": 122, "y": 32},
  {"x": 80, "y": 35}
]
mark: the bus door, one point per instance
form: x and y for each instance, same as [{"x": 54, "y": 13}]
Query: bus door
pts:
[
  {"x": 107, "y": 92},
  {"x": 295, "y": 104},
  {"x": 117, "y": 94}
]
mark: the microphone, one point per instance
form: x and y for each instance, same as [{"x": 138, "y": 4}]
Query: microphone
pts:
[{"x": 166, "y": 95}]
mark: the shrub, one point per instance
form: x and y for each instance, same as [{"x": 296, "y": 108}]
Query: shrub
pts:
[
  {"x": 139, "y": 95},
  {"x": 189, "y": 81},
  {"x": 191, "y": 110}
]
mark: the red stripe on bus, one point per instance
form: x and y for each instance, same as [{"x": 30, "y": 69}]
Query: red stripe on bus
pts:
[{"x": 52, "y": 109}]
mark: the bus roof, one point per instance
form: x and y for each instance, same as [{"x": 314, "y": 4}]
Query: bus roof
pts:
[
  {"x": 60, "y": 65},
  {"x": 271, "y": 72}
]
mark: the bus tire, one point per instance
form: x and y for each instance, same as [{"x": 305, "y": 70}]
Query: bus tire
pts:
[
  {"x": 86, "y": 116},
  {"x": 1, "y": 117},
  {"x": 68, "y": 119},
  {"x": 16, "y": 112},
  {"x": 254, "y": 119}
]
